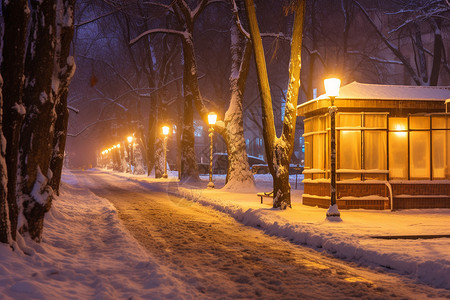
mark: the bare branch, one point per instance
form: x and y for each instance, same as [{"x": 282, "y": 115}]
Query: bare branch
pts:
[
  {"x": 186, "y": 35},
  {"x": 238, "y": 20},
  {"x": 394, "y": 49},
  {"x": 75, "y": 110},
  {"x": 88, "y": 126},
  {"x": 97, "y": 18},
  {"x": 376, "y": 59},
  {"x": 168, "y": 7}
]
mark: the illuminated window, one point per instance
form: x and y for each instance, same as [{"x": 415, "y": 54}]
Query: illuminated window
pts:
[{"x": 398, "y": 148}]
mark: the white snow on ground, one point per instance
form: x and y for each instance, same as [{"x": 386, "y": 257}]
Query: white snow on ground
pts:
[
  {"x": 86, "y": 252},
  {"x": 426, "y": 260}
]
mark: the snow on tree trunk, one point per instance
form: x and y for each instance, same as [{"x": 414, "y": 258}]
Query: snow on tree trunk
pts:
[
  {"x": 159, "y": 158},
  {"x": 122, "y": 158},
  {"x": 238, "y": 173},
  {"x": 63, "y": 73},
  {"x": 5, "y": 224},
  {"x": 16, "y": 17},
  {"x": 138, "y": 160},
  {"x": 278, "y": 150},
  {"x": 35, "y": 145}
]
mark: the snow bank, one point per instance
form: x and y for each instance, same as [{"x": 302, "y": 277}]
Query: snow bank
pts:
[
  {"x": 352, "y": 239},
  {"x": 79, "y": 257}
]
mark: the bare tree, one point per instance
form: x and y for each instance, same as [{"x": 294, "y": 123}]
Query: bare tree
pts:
[
  {"x": 278, "y": 150},
  {"x": 63, "y": 73},
  {"x": 16, "y": 15},
  {"x": 411, "y": 16},
  {"x": 35, "y": 148}
]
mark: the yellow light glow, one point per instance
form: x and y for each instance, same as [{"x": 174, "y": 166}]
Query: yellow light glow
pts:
[
  {"x": 332, "y": 86},
  {"x": 212, "y": 118},
  {"x": 118, "y": 145},
  {"x": 114, "y": 147},
  {"x": 130, "y": 139},
  {"x": 165, "y": 130},
  {"x": 400, "y": 127}
]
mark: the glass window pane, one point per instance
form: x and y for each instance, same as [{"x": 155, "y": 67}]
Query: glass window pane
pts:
[
  {"x": 315, "y": 124},
  {"x": 349, "y": 120},
  {"x": 420, "y": 154},
  {"x": 308, "y": 152},
  {"x": 318, "y": 151},
  {"x": 375, "y": 121},
  {"x": 398, "y": 123},
  {"x": 375, "y": 150},
  {"x": 438, "y": 122},
  {"x": 439, "y": 154},
  {"x": 322, "y": 123},
  {"x": 398, "y": 154},
  {"x": 447, "y": 160},
  {"x": 307, "y": 125},
  {"x": 350, "y": 150},
  {"x": 419, "y": 122}
]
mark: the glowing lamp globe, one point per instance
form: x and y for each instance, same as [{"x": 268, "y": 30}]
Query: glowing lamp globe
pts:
[
  {"x": 165, "y": 130},
  {"x": 130, "y": 139},
  {"x": 212, "y": 118},
  {"x": 332, "y": 86}
]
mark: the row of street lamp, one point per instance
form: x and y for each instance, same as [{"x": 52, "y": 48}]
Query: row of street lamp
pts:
[
  {"x": 332, "y": 86},
  {"x": 212, "y": 118},
  {"x": 117, "y": 146}
]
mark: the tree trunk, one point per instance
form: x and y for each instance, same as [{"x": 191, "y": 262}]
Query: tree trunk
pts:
[
  {"x": 16, "y": 17},
  {"x": 278, "y": 150},
  {"x": 437, "y": 52},
  {"x": 35, "y": 195},
  {"x": 189, "y": 168},
  {"x": 64, "y": 70},
  {"x": 5, "y": 224},
  {"x": 238, "y": 173}
]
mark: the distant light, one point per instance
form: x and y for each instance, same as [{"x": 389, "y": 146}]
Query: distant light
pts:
[
  {"x": 114, "y": 147},
  {"x": 165, "y": 130},
  {"x": 118, "y": 145},
  {"x": 212, "y": 118},
  {"x": 332, "y": 86},
  {"x": 130, "y": 139}
]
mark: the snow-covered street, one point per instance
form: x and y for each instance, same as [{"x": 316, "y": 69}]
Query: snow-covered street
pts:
[
  {"x": 222, "y": 258},
  {"x": 165, "y": 246}
]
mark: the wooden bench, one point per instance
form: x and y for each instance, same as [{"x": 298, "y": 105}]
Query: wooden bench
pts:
[{"x": 266, "y": 194}]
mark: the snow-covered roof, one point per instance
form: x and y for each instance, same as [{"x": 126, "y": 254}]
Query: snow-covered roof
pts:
[
  {"x": 376, "y": 97},
  {"x": 356, "y": 90}
]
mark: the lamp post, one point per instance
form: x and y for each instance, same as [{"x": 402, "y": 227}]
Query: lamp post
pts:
[
  {"x": 332, "y": 90},
  {"x": 130, "y": 140},
  {"x": 212, "y": 118},
  {"x": 165, "y": 131}
]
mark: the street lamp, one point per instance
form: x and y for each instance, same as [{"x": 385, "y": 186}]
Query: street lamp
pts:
[
  {"x": 332, "y": 90},
  {"x": 130, "y": 140},
  {"x": 212, "y": 118},
  {"x": 165, "y": 131}
]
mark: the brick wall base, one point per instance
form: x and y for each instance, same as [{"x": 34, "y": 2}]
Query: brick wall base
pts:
[{"x": 435, "y": 195}]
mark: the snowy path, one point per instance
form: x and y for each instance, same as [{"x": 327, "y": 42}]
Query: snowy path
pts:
[{"x": 224, "y": 259}]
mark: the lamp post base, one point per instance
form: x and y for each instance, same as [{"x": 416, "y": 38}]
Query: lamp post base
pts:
[
  {"x": 164, "y": 176},
  {"x": 333, "y": 213},
  {"x": 210, "y": 185}
]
